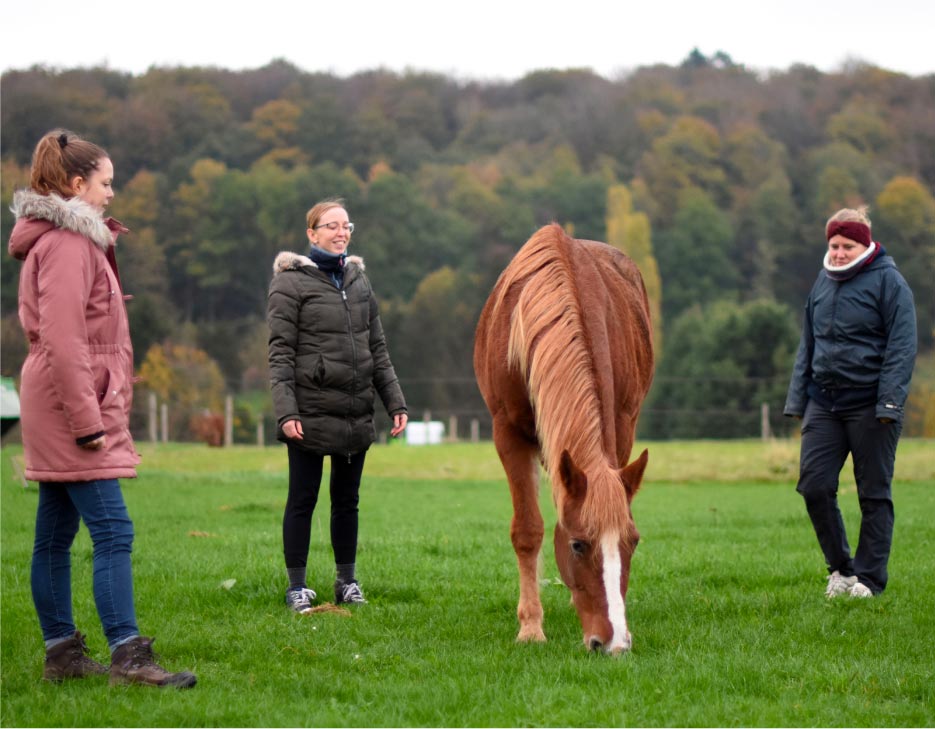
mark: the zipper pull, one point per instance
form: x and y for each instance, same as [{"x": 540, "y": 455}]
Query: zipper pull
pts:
[{"x": 344, "y": 294}]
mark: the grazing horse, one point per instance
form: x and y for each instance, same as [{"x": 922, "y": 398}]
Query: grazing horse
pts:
[{"x": 563, "y": 357}]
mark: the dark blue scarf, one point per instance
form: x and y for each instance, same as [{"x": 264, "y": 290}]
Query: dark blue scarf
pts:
[{"x": 330, "y": 263}]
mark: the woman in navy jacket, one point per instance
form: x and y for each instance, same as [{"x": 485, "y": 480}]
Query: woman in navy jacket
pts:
[{"x": 849, "y": 387}]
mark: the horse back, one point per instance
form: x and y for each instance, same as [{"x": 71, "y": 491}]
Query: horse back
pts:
[
  {"x": 618, "y": 330},
  {"x": 615, "y": 329},
  {"x": 617, "y": 318}
]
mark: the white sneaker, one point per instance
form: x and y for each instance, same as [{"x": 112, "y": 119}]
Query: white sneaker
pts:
[
  {"x": 838, "y": 584},
  {"x": 858, "y": 589}
]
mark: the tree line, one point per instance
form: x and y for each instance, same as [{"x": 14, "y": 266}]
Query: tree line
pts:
[{"x": 717, "y": 180}]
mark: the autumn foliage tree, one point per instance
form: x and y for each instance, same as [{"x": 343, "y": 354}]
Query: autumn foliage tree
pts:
[
  {"x": 630, "y": 232},
  {"x": 715, "y": 178},
  {"x": 184, "y": 378}
]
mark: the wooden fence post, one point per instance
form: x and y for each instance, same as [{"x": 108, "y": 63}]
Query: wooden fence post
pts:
[
  {"x": 452, "y": 428},
  {"x": 475, "y": 430},
  {"x": 164, "y": 421},
  {"x": 228, "y": 421},
  {"x": 765, "y": 432},
  {"x": 153, "y": 419},
  {"x": 260, "y": 433}
]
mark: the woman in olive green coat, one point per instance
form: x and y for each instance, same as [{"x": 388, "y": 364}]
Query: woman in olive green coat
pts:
[{"x": 327, "y": 358}]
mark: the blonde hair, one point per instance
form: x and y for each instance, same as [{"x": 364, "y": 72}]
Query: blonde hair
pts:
[
  {"x": 850, "y": 215},
  {"x": 320, "y": 208}
]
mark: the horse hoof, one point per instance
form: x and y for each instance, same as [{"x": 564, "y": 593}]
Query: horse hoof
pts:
[{"x": 531, "y": 635}]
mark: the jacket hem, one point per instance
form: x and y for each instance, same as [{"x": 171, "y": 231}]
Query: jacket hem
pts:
[{"x": 96, "y": 474}]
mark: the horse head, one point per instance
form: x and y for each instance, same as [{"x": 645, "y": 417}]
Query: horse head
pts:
[{"x": 594, "y": 543}]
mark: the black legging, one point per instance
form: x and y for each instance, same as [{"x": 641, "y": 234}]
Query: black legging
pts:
[{"x": 304, "y": 482}]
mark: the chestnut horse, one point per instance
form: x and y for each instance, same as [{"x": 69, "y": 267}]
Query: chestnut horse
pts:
[{"x": 563, "y": 356}]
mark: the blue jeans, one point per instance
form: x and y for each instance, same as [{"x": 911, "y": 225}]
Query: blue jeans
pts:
[{"x": 61, "y": 508}]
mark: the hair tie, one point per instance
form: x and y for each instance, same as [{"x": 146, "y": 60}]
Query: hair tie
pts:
[{"x": 62, "y": 140}]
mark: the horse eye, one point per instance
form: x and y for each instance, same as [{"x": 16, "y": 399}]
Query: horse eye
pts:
[{"x": 579, "y": 546}]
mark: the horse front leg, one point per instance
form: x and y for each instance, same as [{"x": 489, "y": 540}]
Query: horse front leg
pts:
[{"x": 520, "y": 461}]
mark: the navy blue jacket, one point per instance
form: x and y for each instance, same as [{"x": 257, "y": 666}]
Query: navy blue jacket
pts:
[{"x": 858, "y": 343}]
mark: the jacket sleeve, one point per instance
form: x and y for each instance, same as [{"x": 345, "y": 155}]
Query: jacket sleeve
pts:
[
  {"x": 797, "y": 397},
  {"x": 899, "y": 316},
  {"x": 384, "y": 376},
  {"x": 65, "y": 277},
  {"x": 282, "y": 317}
]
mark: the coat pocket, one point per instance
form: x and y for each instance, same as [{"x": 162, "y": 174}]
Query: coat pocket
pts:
[
  {"x": 110, "y": 393},
  {"x": 102, "y": 385},
  {"x": 313, "y": 374}
]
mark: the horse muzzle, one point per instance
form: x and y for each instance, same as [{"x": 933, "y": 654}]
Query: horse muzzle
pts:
[{"x": 615, "y": 647}]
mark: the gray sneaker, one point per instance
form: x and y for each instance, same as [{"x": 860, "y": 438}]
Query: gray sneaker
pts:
[
  {"x": 300, "y": 598},
  {"x": 347, "y": 592},
  {"x": 838, "y": 584}
]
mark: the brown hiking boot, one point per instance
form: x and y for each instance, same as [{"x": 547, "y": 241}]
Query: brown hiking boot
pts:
[
  {"x": 69, "y": 659},
  {"x": 133, "y": 662}
]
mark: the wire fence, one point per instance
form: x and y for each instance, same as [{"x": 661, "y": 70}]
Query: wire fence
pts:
[{"x": 457, "y": 405}]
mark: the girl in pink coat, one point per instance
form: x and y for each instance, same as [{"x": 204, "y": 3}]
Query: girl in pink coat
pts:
[{"x": 75, "y": 394}]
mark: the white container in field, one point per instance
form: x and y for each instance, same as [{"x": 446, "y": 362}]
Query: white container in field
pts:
[{"x": 422, "y": 433}]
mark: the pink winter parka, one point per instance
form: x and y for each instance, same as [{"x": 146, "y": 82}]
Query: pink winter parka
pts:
[{"x": 77, "y": 380}]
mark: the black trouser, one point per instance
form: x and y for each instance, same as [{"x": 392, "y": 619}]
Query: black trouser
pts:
[
  {"x": 827, "y": 438},
  {"x": 304, "y": 482}
]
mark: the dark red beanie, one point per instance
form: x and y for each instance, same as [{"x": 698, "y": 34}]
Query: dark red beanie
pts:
[{"x": 851, "y": 229}]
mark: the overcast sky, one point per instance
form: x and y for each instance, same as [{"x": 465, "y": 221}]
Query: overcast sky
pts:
[{"x": 470, "y": 40}]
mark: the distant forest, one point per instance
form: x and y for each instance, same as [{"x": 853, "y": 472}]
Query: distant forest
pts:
[{"x": 717, "y": 180}]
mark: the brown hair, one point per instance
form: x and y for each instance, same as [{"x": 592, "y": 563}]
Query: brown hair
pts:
[
  {"x": 59, "y": 157},
  {"x": 320, "y": 208},
  {"x": 849, "y": 215}
]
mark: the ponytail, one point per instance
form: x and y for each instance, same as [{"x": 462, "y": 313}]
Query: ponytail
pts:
[{"x": 59, "y": 157}]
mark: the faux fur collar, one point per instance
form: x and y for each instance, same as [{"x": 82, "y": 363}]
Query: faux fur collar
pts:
[
  {"x": 849, "y": 270},
  {"x": 72, "y": 214},
  {"x": 289, "y": 261}
]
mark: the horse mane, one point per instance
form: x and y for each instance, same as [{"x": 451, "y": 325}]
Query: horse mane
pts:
[{"x": 549, "y": 345}]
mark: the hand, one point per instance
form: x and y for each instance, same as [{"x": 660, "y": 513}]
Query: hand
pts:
[
  {"x": 95, "y": 445},
  {"x": 399, "y": 424},
  {"x": 293, "y": 429}
]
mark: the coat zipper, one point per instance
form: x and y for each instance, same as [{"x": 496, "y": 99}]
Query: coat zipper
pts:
[{"x": 350, "y": 332}]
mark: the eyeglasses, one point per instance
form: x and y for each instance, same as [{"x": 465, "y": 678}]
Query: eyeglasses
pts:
[{"x": 333, "y": 227}]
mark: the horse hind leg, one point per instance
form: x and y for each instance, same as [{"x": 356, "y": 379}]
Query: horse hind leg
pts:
[{"x": 520, "y": 461}]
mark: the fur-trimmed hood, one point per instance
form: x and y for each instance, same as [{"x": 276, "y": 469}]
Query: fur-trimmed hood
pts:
[
  {"x": 289, "y": 261},
  {"x": 37, "y": 214}
]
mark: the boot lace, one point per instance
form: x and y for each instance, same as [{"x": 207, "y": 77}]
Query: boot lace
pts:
[{"x": 141, "y": 654}]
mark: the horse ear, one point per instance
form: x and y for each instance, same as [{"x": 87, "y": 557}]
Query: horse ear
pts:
[
  {"x": 576, "y": 483},
  {"x": 632, "y": 475}
]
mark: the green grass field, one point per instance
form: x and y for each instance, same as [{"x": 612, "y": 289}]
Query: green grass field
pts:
[{"x": 725, "y": 604}]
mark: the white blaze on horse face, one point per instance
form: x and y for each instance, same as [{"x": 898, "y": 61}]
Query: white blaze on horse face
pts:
[{"x": 616, "y": 610}]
